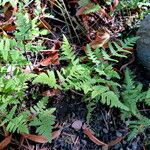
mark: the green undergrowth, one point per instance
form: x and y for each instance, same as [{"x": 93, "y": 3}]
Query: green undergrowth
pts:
[{"x": 92, "y": 74}]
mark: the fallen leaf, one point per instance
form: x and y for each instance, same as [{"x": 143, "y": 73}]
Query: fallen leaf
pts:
[
  {"x": 56, "y": 134},
  {"x": 53, "y": 56},
  {"x": 35, "y": 138},
  {"x": 45, "y": 24},
  {"x": 40, "y": 138},
  {"x": 89, "y": 133},
  {"x": 82, "y": 9},
  {"x": 102, "y": 37},
  {"x": 9, "y": 28},
  {"x": 51, "y": 93},
  {"x": 77, "y": 125},
  {"x": 115, "y": 3},
  {"x": 52, "y": 59},
  {"x": 5, "y": 142},
  {"x": 116, "y": 141}
]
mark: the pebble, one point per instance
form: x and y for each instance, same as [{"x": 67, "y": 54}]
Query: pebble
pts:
[
  {"x": 118, "y": 134},
  {"x": 105, "y": 130},
  {"x": 77, "y": 125}
]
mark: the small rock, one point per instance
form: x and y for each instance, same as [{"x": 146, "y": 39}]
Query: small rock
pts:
[
  {"x": 118, "y": 134},
  {"x": 117, "y": 146},
  {"x": 134, "y": 146},
  {"x": 105, "y": 131},
  {"x": 77, "y": 125}
]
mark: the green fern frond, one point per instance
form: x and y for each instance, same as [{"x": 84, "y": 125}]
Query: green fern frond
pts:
[
  {"x": 47, "y": 78},
  {"x": 67, "y": 50},
  {"x": 111, "y": 99},
  {"x": 16, "y": 124},
  {"x": 91, "y": 55},
  {"x": 43, "y": 121},
  {"x": 94, "y": 8},
  {"x": 83, "y": 2}
]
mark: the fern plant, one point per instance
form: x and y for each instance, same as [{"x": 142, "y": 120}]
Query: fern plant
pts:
[
  {"x": 95, "y": 80},
  {"x": 15, "y": 113},
  {"x": 132, "y": 94}
]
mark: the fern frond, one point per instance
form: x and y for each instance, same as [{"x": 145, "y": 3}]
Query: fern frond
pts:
[
  {"x": 16, "y": 124},
  {"x": 111, "y": 99},
  {"x": 83, "y": 2},
  {"x": 67, "y": 50},
  {"x": 94, "y": 8},
  {"x": 91, "y": 55},
  {"x": 43, "y": 119},
  {"x": 48, "y": 79}
]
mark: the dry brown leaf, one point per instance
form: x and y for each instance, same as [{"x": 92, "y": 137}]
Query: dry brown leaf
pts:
[
  {"x": 116, "y": 141},
  {"x": 45, "y": 24},
  {"x": 102, "y": 37},
  {"x": 35, "y": 138},
  {"x": 53, "y": 56},
  {"x": 56, "y": 134},
  {"x": 5, "y": 142},
  {"x": 82, "y": 9},
  {"x": 89, "y": 133},
  {"x": 51, "y": 93},
  {"x": 115, "y": 3},
  {"x": 40, "y": 138}
]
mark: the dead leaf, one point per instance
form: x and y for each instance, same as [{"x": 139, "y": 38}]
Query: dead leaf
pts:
[
  {"x": 5, "y": 142},
  {"x": 52, "y": 59},
  {"x": 89, "y": 133},
  {"x": 115, "y": 3},
  {"x": 102, "y": 37},
  {"x": 45, "y": 24},
  {"x": 116, "y": 141},
  {"x": 51, "y": 93},
  {"x": 35, "y": 138},
  {"x": 40, "y": 138},
  {"x": 104, "y": 13},
  {"x": 53, "y": 56},
  {"x": 9, "y": 28},
  {"x": 82, "y": 9},
  {"x": 56, "y": 134}
]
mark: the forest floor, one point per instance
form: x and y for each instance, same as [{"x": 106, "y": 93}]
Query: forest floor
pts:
[{"x": 72, "y": 131}]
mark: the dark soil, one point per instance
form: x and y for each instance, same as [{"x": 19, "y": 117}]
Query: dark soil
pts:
[{"x": 105, "y": 124}]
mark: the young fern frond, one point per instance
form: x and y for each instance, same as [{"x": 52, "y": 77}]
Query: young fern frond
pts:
[
  {"x": 47, "y": 78},
  {"x": 118, "y": 49},
  {"x": 67, "y": 50},
  {"x": 91, "y": 55},
  {"x": 43, "y": 120},
  {"x": 16, "y": 123}
]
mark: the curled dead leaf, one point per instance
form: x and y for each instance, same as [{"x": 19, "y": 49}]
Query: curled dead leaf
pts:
[
  {"x": 5, "y": 142},
  {"x": 116, "y": 141},
  {"x": 102, "y": 37},
  {"x": 115, "y": 3},
  {"x": 87, "y": 131},
  {"x": 53, "y": 56},
  {"x": 51, "y": 93},
  {"x": 40, "y": 138},
  {"x": 35, "y": 138}
]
